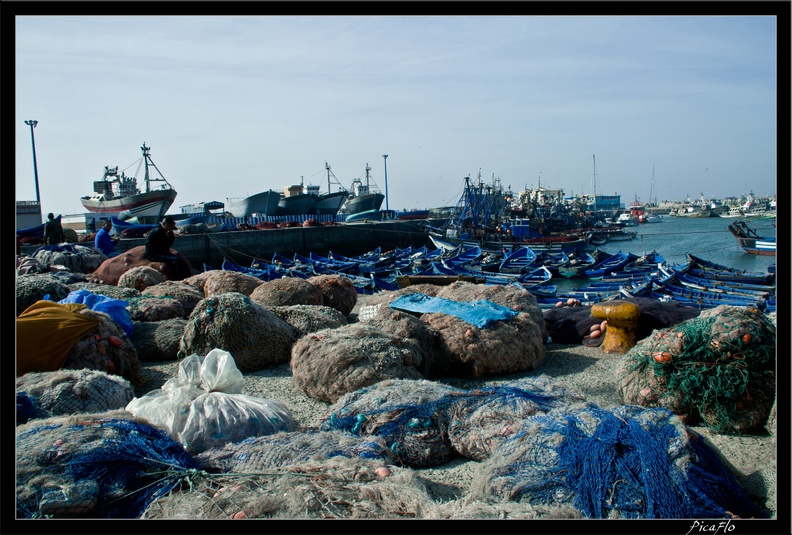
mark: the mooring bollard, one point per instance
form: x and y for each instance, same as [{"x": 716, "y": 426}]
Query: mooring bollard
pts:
[{"x": 622, "y": 318}]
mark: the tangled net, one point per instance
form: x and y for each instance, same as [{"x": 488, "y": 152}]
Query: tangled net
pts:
[
  {"x": 157, "y": 341},
  {"x": 254, "y": 335},
  {"x": 337, "y": 292},
  {"x": 75, "y": 391},
  {"x": 140, "y": 278},
  {"x": 287, "y": 291},
  {"x": 220, "y": 281},
  {"x": 628, "y": 462},
  {"x": 718, "y": 368},
  {"x": 309, "y": 318},
  {"x": 76, "y": 257},
  {"x": 105, "y": 465},
  {"x": 34, "y": 287},
  {"x": 184, "y": 293}
]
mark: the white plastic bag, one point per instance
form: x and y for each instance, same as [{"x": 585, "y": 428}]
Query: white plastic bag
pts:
[{"x": 203, "y": 406}]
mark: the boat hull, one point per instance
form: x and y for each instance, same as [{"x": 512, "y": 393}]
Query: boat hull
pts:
[
  {"x": 297, "y": 204},
  {"x": 329, "y": 203},
  {"x": 264, "y": 203},
  {"x": 364, "y": 203},
  {"x": 149, "y": 205}
]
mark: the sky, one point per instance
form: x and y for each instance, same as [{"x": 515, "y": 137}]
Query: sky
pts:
[{"x": 671, "y": 106}]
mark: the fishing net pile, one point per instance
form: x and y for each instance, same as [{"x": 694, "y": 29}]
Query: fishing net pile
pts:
[
  {"x": 337, "y": 292},
  {"x": 254, "y": 335},
  {"x": 199, "y": 279},
  {"x": 379, "y": 301},
  {"x": 34, "y": 287},
  {"x": 155, "y": 309},
  {"x": 287, "y": 291},
  {"x": 184, "y": 293},
  {"x": 498, "y": 348},
  {"x": 141, "y": 277},
  {"x": 628, "y": 462},
  {"x": 76, "y": 257},
  {"x": 28, "y": 265},
  {"x": 116, "y": 292},
  {"x": 203, "y": 407},
  {"x": 426, "y": 423},
  {"x": 336, "y": 488},
  {"x": 157, "y": 341},
  {"x": 330, "y": 363},
  {"x": 105, "y": 348},
  {"x": 570, "y": 325},
  {"x": 194, "y": 228},
  {"x": 259, "y": 454},
  {"x": 434, "y": 363},
  {"x": 74, "y": 391},
  {"x": 717, "y": 368},
  {"x": 104, "y": 465},
  {"x": 508, "y": 295},
  {"x": 28, "y": 408},
  {"x": 468, "y": 509},
  {"x": 220, "y": 281},
  {"x": 111, "y": 270},
  {"x": 309, "y": 318}
]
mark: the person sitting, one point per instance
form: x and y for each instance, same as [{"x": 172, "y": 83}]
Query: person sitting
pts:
[
  {"x": 53, "y": 231},
  {"x": 104, "y": 241},
  {"x": 158, "y": 248}
]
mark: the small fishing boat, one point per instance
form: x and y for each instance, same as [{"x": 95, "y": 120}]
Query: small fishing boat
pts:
[
  {"x": 613, "y": 263},
  {"x": 117, "y": 195},
  {"x": 750, "y": 241},
  {"x": 518, "y": 260}
]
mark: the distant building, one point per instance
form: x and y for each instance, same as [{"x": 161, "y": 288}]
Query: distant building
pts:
[{"x": 28, "y": 214}]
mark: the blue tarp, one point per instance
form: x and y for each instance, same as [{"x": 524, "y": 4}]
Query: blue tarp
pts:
[
  {"x": 115, "y": 308},
  {"x": 479, "y": 313}
]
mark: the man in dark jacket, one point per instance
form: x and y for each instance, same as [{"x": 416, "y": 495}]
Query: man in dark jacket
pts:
[
  {"x": 53, "y": 231},
  {"x": 160, "y": 240}
]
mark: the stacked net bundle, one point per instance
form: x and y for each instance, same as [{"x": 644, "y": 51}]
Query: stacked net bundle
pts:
[
  {"x": 32, "y": 288},
  {"x": 198, "y": 280},
  {"x": 203, "y": 407},
  {"x": 28, "y": 265},
  {"x": 287, "y": 291},
  {"x": 219, "y": 281},
  {"x": 259, "y": 454},
  {"x": 718, "y": 368},
  {"x": 106, "y": 348},
  {"x": 410, "y": 415},
  {"x": 254, "y": 335},
  {"x": 507, "y": 295},
  {"x": 330, "y": 363},
  {"x": 157, "y": 341},
  {"x": 75, "y": 391},
  {"x": 628, "y": 462},
  {"x": 140, "y": 278},
  {"x": 335, "y": 488},
  {"x": 76, "y": 257},
  {"x": 116, "y": 292},
  {"x": 481, "y": 419},
  {"x": 434, "y": 364},
  {"x": 184, "y": 293},
  {"x": 503, "y": 347},
  {"x": 106, "y": 465},
  {"x": 155, "y": 309},
  {"x": 337, "y": 292},
  {"x": 309, "y": 318}
]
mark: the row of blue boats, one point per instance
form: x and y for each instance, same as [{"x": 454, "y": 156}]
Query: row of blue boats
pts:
[{"x": 697, "y": 282}]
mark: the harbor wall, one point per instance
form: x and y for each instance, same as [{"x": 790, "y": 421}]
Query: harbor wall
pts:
[{"x": 242, "y": 247}]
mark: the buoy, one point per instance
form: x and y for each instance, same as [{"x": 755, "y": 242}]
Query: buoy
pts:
[
  {"x": 114, "y": 341},
  {"x": 382, "y": 471}
]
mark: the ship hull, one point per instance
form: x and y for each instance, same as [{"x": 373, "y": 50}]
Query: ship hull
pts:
[
  {"x": 297, "y": 204},
  {"x": 264, "y": 203},
  {"x": 364, "y": 203},
  {"x": 329, "y": 203},
  {"x": 149, "y": 205}
]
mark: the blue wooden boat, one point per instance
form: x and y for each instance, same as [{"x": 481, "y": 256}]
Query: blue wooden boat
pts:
[
  {"x": 750, "y": 241},
  {"x": 553, "y": 261},
  {"x": 518, "y": 260},
  {"x": 337, "y": 266},
  {"x": 709, "y": 269},
  {"x": 540, "y": 275},
  {"x": 613, "y": 263}
]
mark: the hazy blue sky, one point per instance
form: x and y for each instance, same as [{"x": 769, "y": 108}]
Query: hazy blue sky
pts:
[{"x": 235, "y": 105}]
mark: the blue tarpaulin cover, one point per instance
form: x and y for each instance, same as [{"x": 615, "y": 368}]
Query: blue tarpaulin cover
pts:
[
  {"x": 480, "y": 313},
  {"x": 115, "y": 308}
]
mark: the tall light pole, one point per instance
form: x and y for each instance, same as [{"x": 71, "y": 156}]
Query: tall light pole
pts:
[
  {"x": 385, "y": 159},
  {"x": 32, "y": 124}
]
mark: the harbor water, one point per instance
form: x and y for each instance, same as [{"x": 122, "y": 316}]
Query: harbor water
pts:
[{"x": 675, "y": 237}]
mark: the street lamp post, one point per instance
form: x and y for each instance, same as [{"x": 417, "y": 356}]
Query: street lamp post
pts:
[
  {"x": 32, "y": 124},
  {"x": 385, "y": 159}
]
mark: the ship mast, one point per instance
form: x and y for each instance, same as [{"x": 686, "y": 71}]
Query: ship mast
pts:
[
  {"x": 652, "y": 188},
  {"x": 327, "y": 166},
  {"x": 147, "y": 161},
  {"x": 594, "y": 182}
]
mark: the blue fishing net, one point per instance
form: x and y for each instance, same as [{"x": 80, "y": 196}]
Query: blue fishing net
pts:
[
  {"x": 628, "y": 462},
  {"x": 28, "y": 408},
  {"x": 479, "y": 313},
  {"x": 129, "y": 463}
]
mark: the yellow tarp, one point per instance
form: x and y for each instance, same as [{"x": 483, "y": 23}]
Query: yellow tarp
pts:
[{"x": 46, "y": 332}]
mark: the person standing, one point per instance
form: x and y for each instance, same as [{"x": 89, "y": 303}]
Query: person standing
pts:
[
  {"x": 160, "y": 239},
  {"x": 104, "y": 241},
  {"x": 53, "y": 231}
]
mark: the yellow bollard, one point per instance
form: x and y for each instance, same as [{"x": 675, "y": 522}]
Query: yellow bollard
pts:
[{"x": 622, "y": 318}]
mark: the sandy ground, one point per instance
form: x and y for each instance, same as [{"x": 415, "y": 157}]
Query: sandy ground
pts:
[{"x": 586, "y": 370}]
